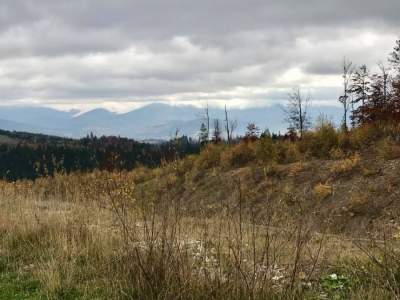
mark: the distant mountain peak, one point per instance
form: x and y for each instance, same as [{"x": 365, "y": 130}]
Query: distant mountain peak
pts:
[
  {"x": 96, "y": 111},
  {"x": 152, "y": 121}
]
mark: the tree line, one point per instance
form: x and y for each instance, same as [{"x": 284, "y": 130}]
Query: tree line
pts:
[
  {"x": 368, "y": 98},
  {"x": 34, "y": 156}
]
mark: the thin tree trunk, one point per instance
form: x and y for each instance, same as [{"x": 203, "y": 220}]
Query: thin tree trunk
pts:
[{"x": 228, "y": 134}]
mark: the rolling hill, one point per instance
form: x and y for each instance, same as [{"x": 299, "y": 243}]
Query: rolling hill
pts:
[{"x": 154, "y": 121}]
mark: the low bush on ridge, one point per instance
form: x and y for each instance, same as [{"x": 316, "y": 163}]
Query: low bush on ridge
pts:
[{"x": 324, "y": 142}]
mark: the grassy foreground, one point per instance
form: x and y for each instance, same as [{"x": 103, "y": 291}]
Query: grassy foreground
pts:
[
  {"x": 127, "y": 236},
  {"x": 262, "y": 219}
]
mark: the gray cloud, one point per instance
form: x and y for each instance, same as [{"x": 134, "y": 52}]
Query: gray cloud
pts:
[{"x": 97, "y": 51}]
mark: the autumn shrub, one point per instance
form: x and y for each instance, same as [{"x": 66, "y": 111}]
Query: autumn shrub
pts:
[
  {"x": 287, "y": 152},
  {"x": 392, "y": 131},
  {"x": 324, "y": 139},
  {"x": 387, "y": 149},
  {"x": 239, "y": 155},
  {"x": 363, "y": 136},
  {"x": 210, "y": 156},
  {"x": 344, "y": 142},
  {"x": 336, "y": 153},
  {"x": 319, "y": 142},
  {"x": 304, "y": 145},
  {"x": 266, "y": 150}
]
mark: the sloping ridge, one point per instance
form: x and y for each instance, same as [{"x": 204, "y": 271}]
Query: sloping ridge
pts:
[{"x": 362, "y": 200}]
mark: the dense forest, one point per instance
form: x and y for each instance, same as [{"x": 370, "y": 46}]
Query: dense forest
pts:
[{"x": 28, "y": 156}]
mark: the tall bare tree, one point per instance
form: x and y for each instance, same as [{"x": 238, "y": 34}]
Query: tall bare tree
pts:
[
  {"x": 297, "y": 111},
  {"x": 217, "y": 132},
  {"x": 345, "y": 99},
  {"x": 233, "y": 124},
  {"x": 227, "y": 127},
  {"x": 385, "y": 80},
  {"x": 207, "y": 114},
  {"x": 395, "y": 57}
]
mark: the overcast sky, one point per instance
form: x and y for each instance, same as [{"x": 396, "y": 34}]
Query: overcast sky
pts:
[{"x": 119, "y": 54}]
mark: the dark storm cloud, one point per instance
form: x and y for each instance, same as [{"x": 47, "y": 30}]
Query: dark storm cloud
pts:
[{"x": 97, "y": 50}]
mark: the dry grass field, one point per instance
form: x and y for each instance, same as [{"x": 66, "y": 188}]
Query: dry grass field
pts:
[{"x": 182, "y": 232}]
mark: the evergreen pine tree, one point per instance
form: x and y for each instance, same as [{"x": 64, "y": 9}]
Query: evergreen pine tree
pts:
[{"x": 203, "y": 134}]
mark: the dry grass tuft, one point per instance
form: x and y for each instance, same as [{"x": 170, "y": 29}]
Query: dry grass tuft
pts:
[
  {"x": 345, "y": 166},
  {"x": 322, "y": 191}
]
